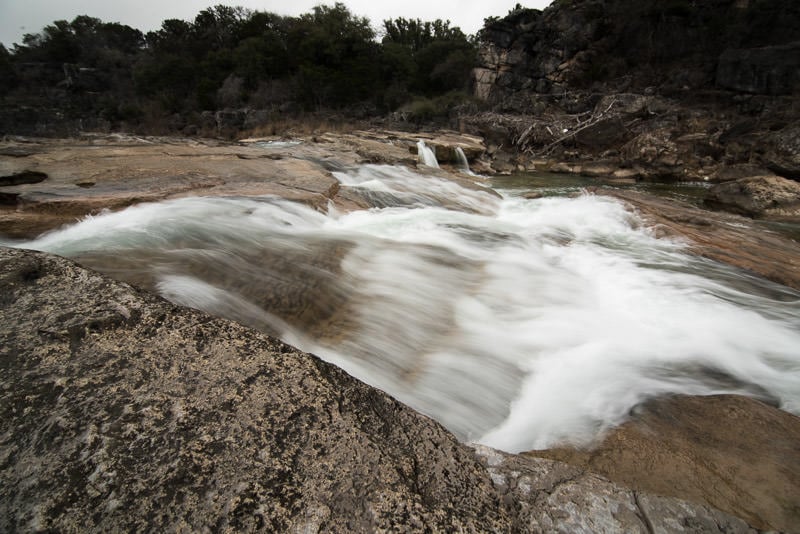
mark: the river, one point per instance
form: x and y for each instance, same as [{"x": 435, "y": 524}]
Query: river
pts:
[{"x": 518, "y": 323}]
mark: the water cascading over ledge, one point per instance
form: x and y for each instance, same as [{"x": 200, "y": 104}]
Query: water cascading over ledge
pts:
[
  {"x": 518, "y": 323},
  {"x": 426, "y": 155}
]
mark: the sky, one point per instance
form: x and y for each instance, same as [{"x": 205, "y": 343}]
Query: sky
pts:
[{"x": 18, "y": 17}]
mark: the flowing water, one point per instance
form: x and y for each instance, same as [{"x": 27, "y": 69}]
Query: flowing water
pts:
[{"x": 518, "y": 323}]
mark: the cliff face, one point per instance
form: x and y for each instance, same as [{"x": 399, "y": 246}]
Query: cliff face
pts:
[{"x": 626, "y": 45}]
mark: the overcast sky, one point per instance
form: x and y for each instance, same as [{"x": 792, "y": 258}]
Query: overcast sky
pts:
[{"x": 18, "y": 17}]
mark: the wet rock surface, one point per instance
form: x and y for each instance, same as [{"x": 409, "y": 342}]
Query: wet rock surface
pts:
[
  {"x": 723, "y": 237},
  {"x": 123, "y": 412},
  {"x": 748, "y": 460}
]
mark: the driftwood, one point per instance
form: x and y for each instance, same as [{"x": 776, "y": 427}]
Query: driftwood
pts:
[{"x": 539, "y": 135}]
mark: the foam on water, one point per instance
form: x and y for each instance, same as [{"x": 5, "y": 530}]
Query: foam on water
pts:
[{"x": 518, "y": 323}]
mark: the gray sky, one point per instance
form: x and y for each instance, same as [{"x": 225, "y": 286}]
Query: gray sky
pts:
[{"x": 18, "y": 17}]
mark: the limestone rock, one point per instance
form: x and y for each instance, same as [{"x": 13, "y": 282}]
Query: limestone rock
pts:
[
  {"x": 757, "y": 196},
  {"x": 783, "y": 156},
  {"x": 122, "y": 412},
  {"x": 556, "y": 497},
  {"x": 747, "y": 460},
  {"x": 721, "y": 236}
]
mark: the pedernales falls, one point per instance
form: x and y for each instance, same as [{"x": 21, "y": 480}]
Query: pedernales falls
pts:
[{"x": 517, "y": 323}]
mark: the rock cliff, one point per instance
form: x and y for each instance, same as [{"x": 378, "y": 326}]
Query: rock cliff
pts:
[
  {"x": 122, "y": 412},
  {"x": 657, "y": 91},
  {"x": 630, "y": 46}
]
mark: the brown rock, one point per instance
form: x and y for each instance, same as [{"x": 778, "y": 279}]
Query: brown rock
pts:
[
  {"x": 724, "y": 237},
  {"x": 757, "y": 196},
  {"x": 732, "y": 453}
]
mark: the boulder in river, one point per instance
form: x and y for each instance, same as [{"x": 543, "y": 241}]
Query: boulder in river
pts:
[{"x": 771, "y": 197}]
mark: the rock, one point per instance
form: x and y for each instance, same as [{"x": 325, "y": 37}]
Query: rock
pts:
[
  {"x": 729, "y": 173},
  {"x": 555, "y": 497},
  {"x": 604, "y": 134},
  {"x": 783, "y": 155},
  {"x": 723, "y": 237},
  {"x": 770, "y": 70},
  {"x": 757, "y": 196},
  {"x": 444, "y": 145},
  {"x": 122, "y": 412},
  {"x": 613, "y": 46},
  {"x": 746, "y": 461},
  {"x": 598, "y": 169}
]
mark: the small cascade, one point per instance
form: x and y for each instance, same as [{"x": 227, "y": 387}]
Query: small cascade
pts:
[
  {"x": 426, "y": 155},
  {"x": 463, "y": 162}
]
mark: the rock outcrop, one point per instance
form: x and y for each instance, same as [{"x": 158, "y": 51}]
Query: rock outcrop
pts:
[
  {"x": 720, "y": 236},
  {"x": 96, "y": 172},
  {"x": 656, "y": 91},
  {"x": 770, "y": 197},
  {"x": 771, "y": 70},
  {"x": 617, "y": 45},
  {"x": 747, "y": 460},
  {"x": 122, "y": 412}
]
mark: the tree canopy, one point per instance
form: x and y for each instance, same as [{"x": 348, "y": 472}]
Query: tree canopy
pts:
[{"x": 226, "y": 56}]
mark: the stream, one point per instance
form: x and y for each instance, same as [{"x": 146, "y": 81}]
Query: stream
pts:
[{"x": 518, "y": 323}]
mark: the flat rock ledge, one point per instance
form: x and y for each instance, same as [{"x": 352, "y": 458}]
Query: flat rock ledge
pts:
[{"x": 122, "y": 412}]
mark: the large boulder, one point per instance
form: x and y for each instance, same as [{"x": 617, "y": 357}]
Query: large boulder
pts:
[
  {"x": 124, "y": 413},
  {"x": 771, "y": 197},
  {"x": 121, "y": 412}
]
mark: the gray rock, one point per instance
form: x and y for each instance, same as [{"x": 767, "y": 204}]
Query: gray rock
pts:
[
  {"x": 783, "y": 156},
  {"x": 122, "y": 412},
  {"x": 757, "y": 196},
  {"x": 554, "y": 497}
]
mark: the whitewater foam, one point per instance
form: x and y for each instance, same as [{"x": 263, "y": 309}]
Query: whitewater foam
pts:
[{"x": 518, "y": 323}]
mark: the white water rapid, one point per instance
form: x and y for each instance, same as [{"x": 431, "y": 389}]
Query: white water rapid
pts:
[
  {"x": 518, "y": 323},
  {"x": 463, "y": 162},
  {"x": 426, "y": 155}
]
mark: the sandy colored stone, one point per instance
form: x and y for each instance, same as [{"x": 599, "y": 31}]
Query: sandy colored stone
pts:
[
  {"x": 732, "y": 453},
  {"x": 767, "y": 197}
]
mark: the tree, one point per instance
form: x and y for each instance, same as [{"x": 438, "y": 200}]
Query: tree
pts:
[{"x": 428, "y": 58}]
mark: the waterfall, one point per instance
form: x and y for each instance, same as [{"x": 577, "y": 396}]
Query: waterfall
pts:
[
  {"x": 518, "y": 323},
  {"x": 426, "y": 155},
  {"x": 463, "y": 162}
]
